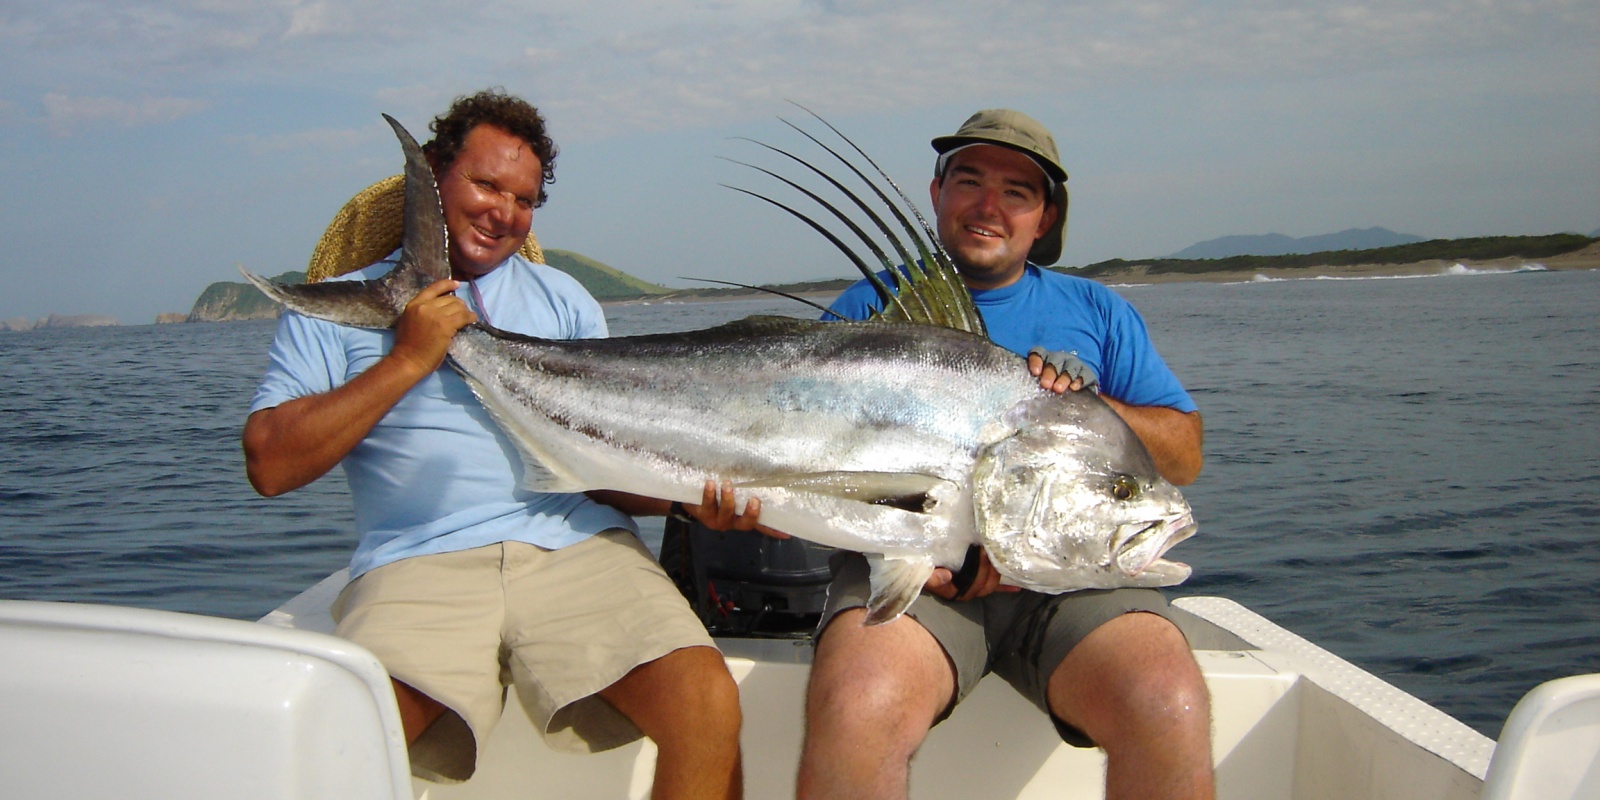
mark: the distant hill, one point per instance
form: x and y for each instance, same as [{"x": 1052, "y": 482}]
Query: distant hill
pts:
[
  {"x": 234, "y": 301},
  {"x": 57, "y": 321},
  {"x": 241, "y": 301},
  {"x": 1276, "y": 244},
  {"x": 603, "y": 281},
  {"x": 1485, "y": 248}
]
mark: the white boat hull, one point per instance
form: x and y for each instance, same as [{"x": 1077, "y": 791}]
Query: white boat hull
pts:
[
  {"x": 1291, "y": 722},
  {"x": 130, "y": 703}
]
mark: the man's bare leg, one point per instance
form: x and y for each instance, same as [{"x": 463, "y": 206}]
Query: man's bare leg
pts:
[
  {"x": 688, "y": 704},
  {"x": 873, "y": 695},
  {"x": 417, "y": 710},
  {"x": 1133, "y": 686}
]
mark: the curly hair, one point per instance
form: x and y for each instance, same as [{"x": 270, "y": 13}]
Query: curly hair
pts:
[{"x": 492, "y": 107}]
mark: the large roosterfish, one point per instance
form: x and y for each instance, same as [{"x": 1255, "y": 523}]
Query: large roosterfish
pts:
[{"x": 909, "y": 438}]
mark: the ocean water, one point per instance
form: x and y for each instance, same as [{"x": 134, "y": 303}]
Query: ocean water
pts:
[{"x": 1405, "y": 471}]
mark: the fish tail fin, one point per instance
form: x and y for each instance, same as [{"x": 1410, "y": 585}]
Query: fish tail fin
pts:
[
  {"x": 354, "y": 303},
  {"x": 896, "y": 582},
  {"x": 423, "y": 260}
]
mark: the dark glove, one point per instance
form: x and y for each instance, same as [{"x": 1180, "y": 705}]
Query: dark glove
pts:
[
  {"x": 1070, "y": 365},
  {"x": 962, "y": 578}
]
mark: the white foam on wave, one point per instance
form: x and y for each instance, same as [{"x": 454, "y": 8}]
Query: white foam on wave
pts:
[
  {"x": 1371, "y": 277},
  {"x": 1527, "y": 266},
  {"x": 1450, "y": 271},
  {"x": 1260, "y": 278}
]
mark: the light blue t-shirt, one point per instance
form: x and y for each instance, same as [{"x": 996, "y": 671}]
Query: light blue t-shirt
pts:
[
  {"x": 1063, "y": 312},
  {"x": 436, "y": 475}
]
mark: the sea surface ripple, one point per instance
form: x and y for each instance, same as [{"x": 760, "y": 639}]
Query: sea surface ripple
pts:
[{"x": 1406, "y": 472}]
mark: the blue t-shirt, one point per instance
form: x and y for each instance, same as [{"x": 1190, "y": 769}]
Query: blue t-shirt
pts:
[
  {"x": 1062, "y": 312},
  {"x": 436, "y": 475}
]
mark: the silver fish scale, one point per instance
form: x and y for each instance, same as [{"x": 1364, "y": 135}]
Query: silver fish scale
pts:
[{"x": 743, "y": 401}]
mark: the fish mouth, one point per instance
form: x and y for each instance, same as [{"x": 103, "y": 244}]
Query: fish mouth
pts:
[{"x": 1145, "y": 546}]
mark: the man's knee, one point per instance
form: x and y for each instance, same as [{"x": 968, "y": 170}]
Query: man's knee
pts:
[
  {"x": 890, "y": 676},
  {"x": 688, "y": 691},
  {"x": 700, "y": 679},
  {"x": 1172, "y": 698},
  {"x": 1135, "y": 674}
]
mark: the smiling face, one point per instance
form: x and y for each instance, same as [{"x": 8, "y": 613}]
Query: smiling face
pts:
[
  {"x": 488, "y": 194},
  {"x": 992, "y": 205}
]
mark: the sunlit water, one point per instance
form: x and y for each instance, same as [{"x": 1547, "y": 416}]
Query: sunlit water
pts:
[{"x": 1405, "y": 471}]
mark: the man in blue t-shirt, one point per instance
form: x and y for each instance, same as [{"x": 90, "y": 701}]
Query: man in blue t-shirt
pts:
[
  {"x": 1109, "y": 667},
  {"x": 462, "y": 582}
]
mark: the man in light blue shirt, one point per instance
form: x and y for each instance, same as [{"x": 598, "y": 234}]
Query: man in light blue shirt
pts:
[
  {"x": 434, "y": 475},
  {"x": 461, "y": 581}
]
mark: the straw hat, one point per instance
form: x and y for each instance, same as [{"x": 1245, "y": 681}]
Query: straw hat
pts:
[{"x": 369, "y": 227}]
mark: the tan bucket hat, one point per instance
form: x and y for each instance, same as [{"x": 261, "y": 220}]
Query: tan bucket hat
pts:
[
  {"x": 369, "y": 228},
  {"x": 1020, "y": 132}
]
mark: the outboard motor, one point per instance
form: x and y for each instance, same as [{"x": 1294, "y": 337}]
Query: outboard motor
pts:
[{"x": 746, "y": 584}]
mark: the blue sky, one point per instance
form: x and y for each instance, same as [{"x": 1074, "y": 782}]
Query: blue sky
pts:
[{"x": 152, "y": 147}]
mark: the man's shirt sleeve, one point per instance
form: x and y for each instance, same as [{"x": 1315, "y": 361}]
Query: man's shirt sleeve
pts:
[{"x": 306, "y": 358}]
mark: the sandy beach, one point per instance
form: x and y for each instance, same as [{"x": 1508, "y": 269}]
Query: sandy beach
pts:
[{"x": 1587, "y": 258}]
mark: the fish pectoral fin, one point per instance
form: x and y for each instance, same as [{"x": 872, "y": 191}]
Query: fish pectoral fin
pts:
[
  {"x": 907, "y": 491},
  {"x": 896, "y": 582}
]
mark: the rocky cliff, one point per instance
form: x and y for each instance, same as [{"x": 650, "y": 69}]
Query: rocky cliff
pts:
[
  {"x": 228, "y": 301},
  {"x": 57, "y": 321}
]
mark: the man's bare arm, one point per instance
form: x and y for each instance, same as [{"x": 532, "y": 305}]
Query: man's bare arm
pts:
[
  {"x": 716, "y": 510},
  {"x": 293, "y": 444},
  {"x": 1174, "y": 438}
]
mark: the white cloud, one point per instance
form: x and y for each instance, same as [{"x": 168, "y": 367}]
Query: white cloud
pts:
[
  {"x": 64, "y": 113},
  {"x": 318, "y": 140},
  {"x": 1181, "y": 119},
  {"x": 309, "y": 19},
  {"x": 865, "y": 55},
  {"x": 642, "y": 65}
]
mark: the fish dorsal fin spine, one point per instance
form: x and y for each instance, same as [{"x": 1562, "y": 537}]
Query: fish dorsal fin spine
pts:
[{"x": 927, "y": 288}]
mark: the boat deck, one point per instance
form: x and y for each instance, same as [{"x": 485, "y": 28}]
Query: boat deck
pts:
[{"x": 1292, "y": 721}]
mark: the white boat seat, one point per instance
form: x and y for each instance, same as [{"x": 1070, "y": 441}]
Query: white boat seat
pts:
[
  {"x": 1549, "y": 748},
  {"x": 101, "y": 701}
]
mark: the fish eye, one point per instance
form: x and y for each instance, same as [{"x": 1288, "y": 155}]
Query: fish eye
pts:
[{"x": 1124, "y": 487}]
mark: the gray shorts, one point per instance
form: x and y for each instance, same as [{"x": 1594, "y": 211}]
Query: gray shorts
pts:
[
  {"x": 1020, "y": 636},
  {"x": 559, "y": 625}
]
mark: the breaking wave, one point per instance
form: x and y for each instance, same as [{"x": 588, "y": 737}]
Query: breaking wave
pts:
[{"x": 1453, "y": 270}]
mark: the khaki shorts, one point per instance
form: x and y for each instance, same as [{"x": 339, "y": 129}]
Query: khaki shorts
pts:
[
  {"x": 559, "y": 625},
  {"x": 1020, "y": 636}
]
